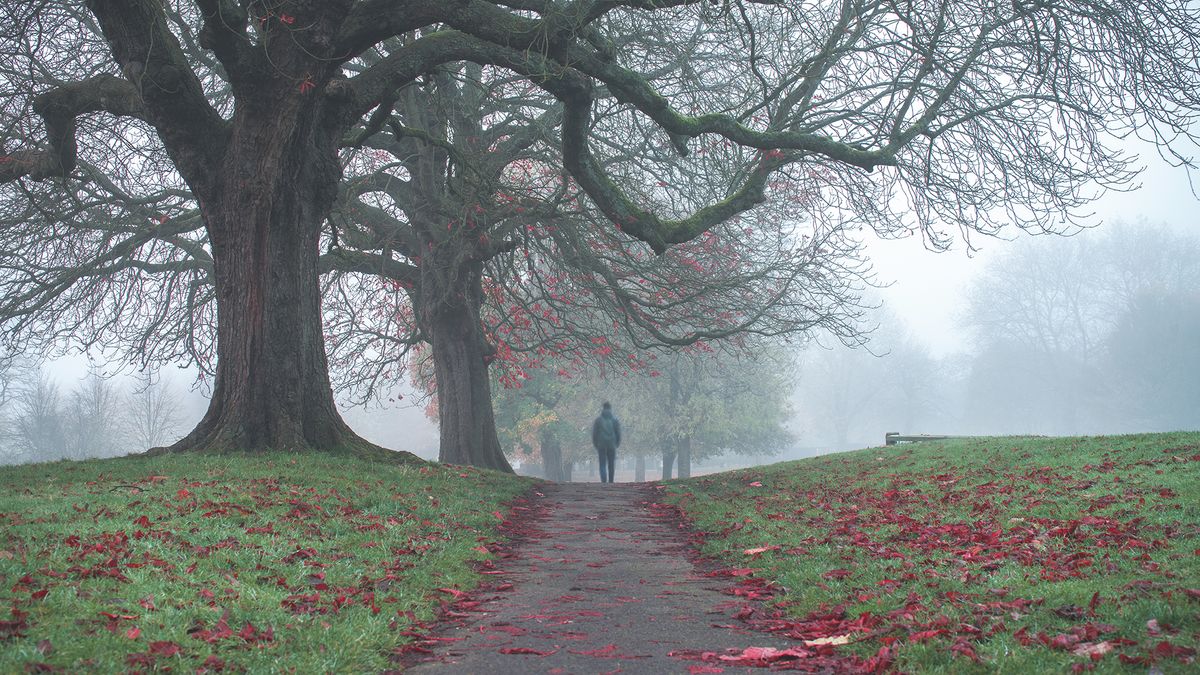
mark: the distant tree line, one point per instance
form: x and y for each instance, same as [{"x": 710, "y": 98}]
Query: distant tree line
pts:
[
  {"x": 39, "y": 421},
  {"x": 1095, "y": 333}
]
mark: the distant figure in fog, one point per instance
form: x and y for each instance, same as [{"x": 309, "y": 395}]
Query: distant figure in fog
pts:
[{"x": 606, "y": 436}]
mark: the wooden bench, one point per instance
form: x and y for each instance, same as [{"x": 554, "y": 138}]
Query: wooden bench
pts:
[{"x": 895, "y": 438}]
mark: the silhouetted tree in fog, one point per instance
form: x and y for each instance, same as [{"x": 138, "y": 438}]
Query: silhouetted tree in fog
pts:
[
  {"x": 1052, "y": 315},
  {"x": 1155, "y": 359}
]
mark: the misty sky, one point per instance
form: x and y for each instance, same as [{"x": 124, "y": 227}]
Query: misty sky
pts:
[{"x": 928, "y": 288}]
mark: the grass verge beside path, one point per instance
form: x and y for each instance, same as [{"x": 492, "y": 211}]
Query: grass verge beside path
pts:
[
  {"x": 1015, "y": 555},
  {"x": 200, "y": 563}
]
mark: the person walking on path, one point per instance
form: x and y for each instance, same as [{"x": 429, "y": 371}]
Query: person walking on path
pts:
[{"x": 606, "y": 436}]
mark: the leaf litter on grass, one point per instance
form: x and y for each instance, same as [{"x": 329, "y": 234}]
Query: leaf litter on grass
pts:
[
  {"x": 1017, "y": 555},
  {"x": 234, "y": 563}
]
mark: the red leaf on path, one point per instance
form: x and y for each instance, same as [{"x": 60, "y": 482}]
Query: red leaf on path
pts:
[
  {"x": 740, "y": 572},
  {"x": 701, "y": 670},
  {"x": 605, "y": 652},
  {"x": 453, "y": 591},
  {"x": 527, "y": 650}
]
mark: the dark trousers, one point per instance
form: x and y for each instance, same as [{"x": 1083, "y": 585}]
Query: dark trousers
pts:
[{"x": 607, "y": 458}]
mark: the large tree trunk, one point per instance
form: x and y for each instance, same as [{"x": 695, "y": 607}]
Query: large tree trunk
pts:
[
  {"x": 264, "y": 214},
  {"x": 449, "y": 312},
  {"x": 668, "y": 462},
  {"x": 684, "y": 457}
]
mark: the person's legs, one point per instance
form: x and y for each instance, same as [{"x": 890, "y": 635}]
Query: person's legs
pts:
[
  {"x": 611, "y": 458},
  {"x": 603, "y": 465}
]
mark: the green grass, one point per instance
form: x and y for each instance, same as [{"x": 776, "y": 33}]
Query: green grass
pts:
[
  {"x": 301, "y": 563},
  {"x": 1026, "y": 552}
]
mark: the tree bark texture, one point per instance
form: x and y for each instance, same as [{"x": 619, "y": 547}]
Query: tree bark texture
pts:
[
  {"x": 449, "y": 312},
  {"x": 263, "y": 212}
]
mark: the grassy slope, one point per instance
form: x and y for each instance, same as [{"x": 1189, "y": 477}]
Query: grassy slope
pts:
[
  {"x": 265, "y": 564},
  {"x": 1011, "y": 555}
]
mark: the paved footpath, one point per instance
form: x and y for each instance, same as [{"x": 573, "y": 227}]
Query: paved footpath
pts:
[{"x": 603, "y": 581}]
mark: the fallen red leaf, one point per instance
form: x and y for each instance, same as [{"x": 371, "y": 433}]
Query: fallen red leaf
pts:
[
  {"x": 752, "y": 655},
  {"x": 921, "y": 636},
  {"x": 164, "y": 648},
  {"x": 527, "y": 650},
  {"x": 1093, "y": 650}
]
